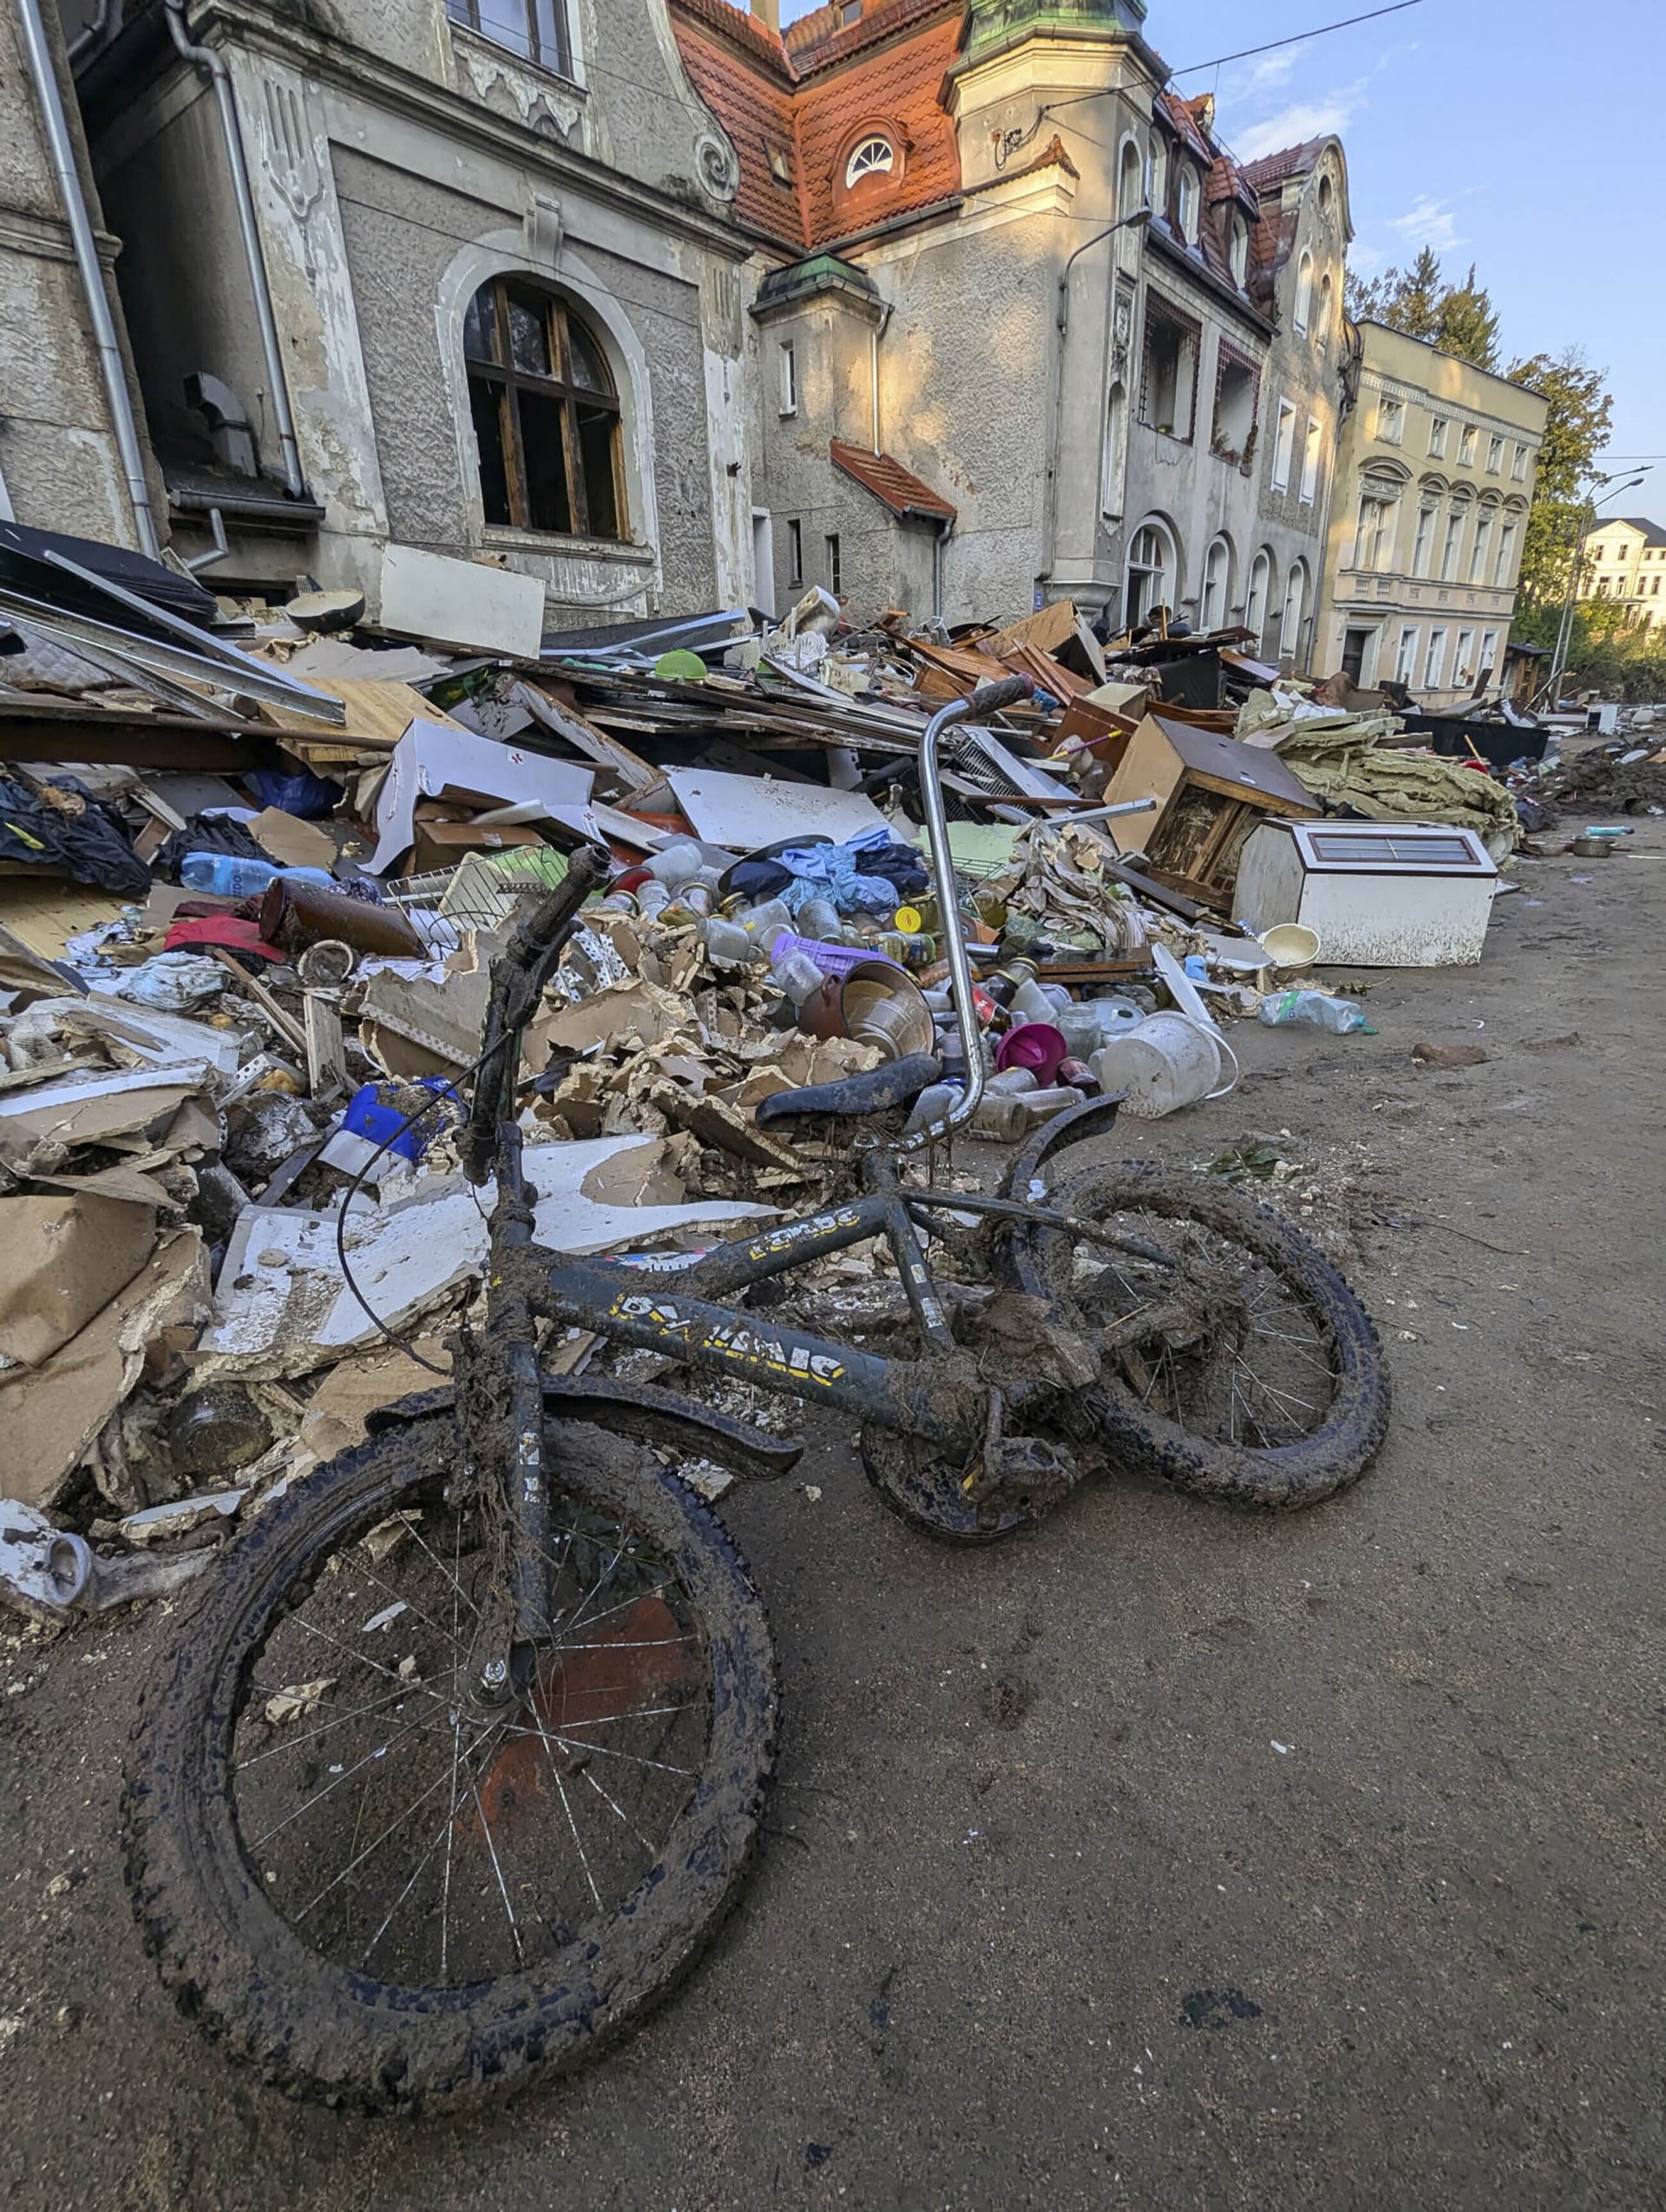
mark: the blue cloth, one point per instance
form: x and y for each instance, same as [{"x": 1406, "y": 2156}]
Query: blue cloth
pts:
[{"x": 831, "y": 871}]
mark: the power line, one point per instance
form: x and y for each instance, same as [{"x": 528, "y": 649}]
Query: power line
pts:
[{"x": 1299, "y": 37}]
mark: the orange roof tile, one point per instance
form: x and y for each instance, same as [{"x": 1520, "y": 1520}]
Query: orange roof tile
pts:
[
  {"x": 817, "y": 93},
  {"x": 893, "y": 485}
]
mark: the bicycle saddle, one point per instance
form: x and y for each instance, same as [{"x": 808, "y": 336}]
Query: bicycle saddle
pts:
[{"x": 896, "y": 1082}]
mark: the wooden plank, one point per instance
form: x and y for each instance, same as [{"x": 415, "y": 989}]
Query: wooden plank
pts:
[
  {"x": 567, "y": 724},
  {"x": 284, "y": 1023},
  {"x": 326, "y": 1057}
]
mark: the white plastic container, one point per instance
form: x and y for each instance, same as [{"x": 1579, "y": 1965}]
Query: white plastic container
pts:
[{"x": 1169, "y": 1062}]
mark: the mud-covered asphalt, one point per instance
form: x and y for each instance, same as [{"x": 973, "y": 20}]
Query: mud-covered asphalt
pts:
[{"x": 1166, "y": 1858}]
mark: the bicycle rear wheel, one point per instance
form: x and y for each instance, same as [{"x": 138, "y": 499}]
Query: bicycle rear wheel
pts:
[{"x": 386, "y": 1893}]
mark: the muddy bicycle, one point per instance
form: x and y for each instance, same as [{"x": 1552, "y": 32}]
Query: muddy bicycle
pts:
[{"x": 461, "y": 1757}]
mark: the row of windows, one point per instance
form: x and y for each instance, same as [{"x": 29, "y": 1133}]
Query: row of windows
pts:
[
  {"x": 1153, "y": 579},
  {"x": 1425, "y": 667},
  {"x": 1620, "y": 555},
  {"x": 1492, "y": 561},
  {"x": 1391, "y": 431},
  {"x": 1617, "y": 588}
]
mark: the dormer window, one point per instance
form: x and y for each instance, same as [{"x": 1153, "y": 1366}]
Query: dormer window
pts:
[
  {"x": 1237, "y": 249},
  {"x": 874, "y": 156},
  {"x": 1187, "y": 199},
  {"x": 780, "y": 164}
]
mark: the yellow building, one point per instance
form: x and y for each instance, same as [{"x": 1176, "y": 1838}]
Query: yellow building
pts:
[
  {"x": 1434, "y": 472},
  {"x": 1625, "y": 560}
]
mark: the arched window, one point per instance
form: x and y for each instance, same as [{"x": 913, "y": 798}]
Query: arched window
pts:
[
  {"x": 1217, "y": 585},
  {"x": 1304, "y": 292},
  {"x": 546, "y": 414},
  {"x": 1128, "y": 182},
  {"x": 1238, "y": 248},
  {"x": 1322, "y": 328},
  {"x": 1153, "y": 572},
  {"x": 1260, "y": 596},
  {"x": 1296, "y": 606},
  {"x": 874, "y": 156},
  {"x": 1157, "y": 189},
  {"x": 1327, "y": 193}
]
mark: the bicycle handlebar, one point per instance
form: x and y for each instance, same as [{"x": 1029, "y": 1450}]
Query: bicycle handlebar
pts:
[{"x": 989, "y": 698}]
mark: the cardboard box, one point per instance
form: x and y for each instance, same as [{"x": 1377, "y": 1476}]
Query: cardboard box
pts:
[{"x": 442, "y": 844}]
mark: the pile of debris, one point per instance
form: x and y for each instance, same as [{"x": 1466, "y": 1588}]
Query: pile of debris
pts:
[{"x": 254, "y": 871}]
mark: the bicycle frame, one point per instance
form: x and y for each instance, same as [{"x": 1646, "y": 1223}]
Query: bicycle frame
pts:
[{"x": 673, "y": 1307}]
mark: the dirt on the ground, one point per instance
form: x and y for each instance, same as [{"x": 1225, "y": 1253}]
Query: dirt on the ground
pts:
[{"x": 1166, "y": 1858}]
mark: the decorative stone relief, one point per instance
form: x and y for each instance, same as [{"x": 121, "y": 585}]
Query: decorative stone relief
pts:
[{"x": 719, "y": 170}]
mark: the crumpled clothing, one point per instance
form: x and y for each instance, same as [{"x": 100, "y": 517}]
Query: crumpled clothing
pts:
[{"x": 840, "y": 875}]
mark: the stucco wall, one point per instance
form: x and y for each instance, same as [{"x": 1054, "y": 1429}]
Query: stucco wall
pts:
[
  {"x": 402, "y": 236},
  {"x": 58, "y": 453}
]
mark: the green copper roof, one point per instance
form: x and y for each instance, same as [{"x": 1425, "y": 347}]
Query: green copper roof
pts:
[{"x": 996, "y": 23}]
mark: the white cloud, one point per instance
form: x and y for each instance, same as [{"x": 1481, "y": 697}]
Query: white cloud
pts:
[
  {"x": 1268, "y": 73},
  {"x": 1430, "y": 222},
  {"x": 1292, "y": 125}
]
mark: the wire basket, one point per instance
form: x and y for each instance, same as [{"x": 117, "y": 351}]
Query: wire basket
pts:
[{"x": 482, "y": 892}]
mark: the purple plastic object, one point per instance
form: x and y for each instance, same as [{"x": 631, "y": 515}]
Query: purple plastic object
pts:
[
  {"x": 832, "y": 959},
  {"x": 1035, "y": 1045}
]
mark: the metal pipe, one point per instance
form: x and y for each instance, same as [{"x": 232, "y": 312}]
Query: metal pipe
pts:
[
  {"x": 213, "y": 67},
  {"x": 112, "y": 367},
  {"x": 222, "y": 549}
]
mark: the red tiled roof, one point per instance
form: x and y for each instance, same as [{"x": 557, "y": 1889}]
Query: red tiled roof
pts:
[
  {"x": 894, "y": 88},
  {"x": 1269, "y": 173},
  {"x": 893, "y": 485},
  {"x": 758, "y": 114},
  {"x": 816, "y": 92}
]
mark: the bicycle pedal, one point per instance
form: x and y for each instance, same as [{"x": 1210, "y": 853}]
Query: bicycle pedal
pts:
[{"x": 1027, "y": 1470}]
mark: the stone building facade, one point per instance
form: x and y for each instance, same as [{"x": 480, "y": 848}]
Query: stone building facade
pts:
[
  {"x": 954, "y": 267},
  {"x": 59, "y": 457},
  {"x": 504, "y": 283},
  {"x": 1434, "y": 474}
]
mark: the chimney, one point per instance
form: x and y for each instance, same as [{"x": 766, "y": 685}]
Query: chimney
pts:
[{"x": 768, "y": 12}]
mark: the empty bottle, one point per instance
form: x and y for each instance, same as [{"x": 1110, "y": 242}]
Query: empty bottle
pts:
[
  {"x": 797, "y": 975},
  {"x": 1006, "y": 1117},
  {"x": 1035, "y": 1001},
  {"x": 727, "y": 944},
  {"x": 1317, "y": 1009},
  {"x": 765, "y": 922},
  {"x": 653, "y": 897},
  {"x": 931, "y": 1105},
  {"x": 230, "y": 877},
  {"x": 674, "y": 864},
  {"x": 816, "y": 917}
]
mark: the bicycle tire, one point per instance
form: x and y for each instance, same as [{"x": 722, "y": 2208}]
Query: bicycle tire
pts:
[
  {"x": 311, "y": 2026},
  {"x": 1111, "y": 1414},
  {"x": 924, "y": 1491}
]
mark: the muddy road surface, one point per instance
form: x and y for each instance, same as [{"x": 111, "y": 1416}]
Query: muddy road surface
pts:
[{"x": 1166, "y": 1858}]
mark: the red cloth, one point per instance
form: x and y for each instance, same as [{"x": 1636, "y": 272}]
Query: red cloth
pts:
[{"x": 237, "y": 935}]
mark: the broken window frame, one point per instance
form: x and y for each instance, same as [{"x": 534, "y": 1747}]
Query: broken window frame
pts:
[
  {"x": 1434, "y": 658},
  {"x": 497, "y": 376},
  {"x": 1153, "y": 556},
  {"x": 795, "y": 554},
  {"x": 1165, "y": 322},
  {"x": 1217, "y": 586},
  {"x": 1227, "y": 360},
  {"x": 834, "y": 565},
  {"x": 548, "y": 43}
]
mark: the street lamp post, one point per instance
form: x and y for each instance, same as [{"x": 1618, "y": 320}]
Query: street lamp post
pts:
[{"x": 1587, "y": 523}]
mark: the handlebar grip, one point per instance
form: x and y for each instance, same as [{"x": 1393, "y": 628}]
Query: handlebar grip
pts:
[{"x": 989, "y": 699}]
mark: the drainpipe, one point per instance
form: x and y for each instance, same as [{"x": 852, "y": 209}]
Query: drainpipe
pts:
[
  {"x": 213, "y": 65},
  {"x": 874, "y": 337},
  {"x": 112, "y": 367}
]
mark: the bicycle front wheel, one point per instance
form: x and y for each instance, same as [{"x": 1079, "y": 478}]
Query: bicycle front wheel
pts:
[
  {"x": 382, "y": 1890},
  {"x": 1236, "y": 1361}
]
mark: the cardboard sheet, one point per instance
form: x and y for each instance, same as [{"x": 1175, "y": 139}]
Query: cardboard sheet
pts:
[
  {"x": 66, "y": 1259},
  {"x": 432, "y": 761}
]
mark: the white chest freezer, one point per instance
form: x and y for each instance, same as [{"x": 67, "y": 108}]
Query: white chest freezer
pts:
[{"x": 1378, "y": 895}]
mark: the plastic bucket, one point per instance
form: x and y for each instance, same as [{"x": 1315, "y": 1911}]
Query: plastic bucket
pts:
[
  {"x": 1291, "y": 946},
  {"x": 1169, "y": 1062}
]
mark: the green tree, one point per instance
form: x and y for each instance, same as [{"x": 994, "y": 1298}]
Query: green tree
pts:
[
  {"x": 1420, "y": 304},
  {"x": 1575, "y": 430}
]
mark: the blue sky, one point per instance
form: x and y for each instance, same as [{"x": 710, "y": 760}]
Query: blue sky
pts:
[{"x": 1515, "y": 134}]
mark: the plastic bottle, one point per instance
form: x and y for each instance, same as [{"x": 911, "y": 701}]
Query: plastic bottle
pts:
[
  {"x": 673, "y": 865},
  {"x": 797, "y": 976},
  {"x": 931, "y": 1105},
  {"x": 816, "y": 917},
  {"x": 1006, "y": 1118},
  {"x": 228, "y": 877},
  {"x": 765, "y": 922},
  {"x": 1317, "y": 1009},
  {"x": 1035, "y": 1001},
  {"x": 727, "y": 945}
]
